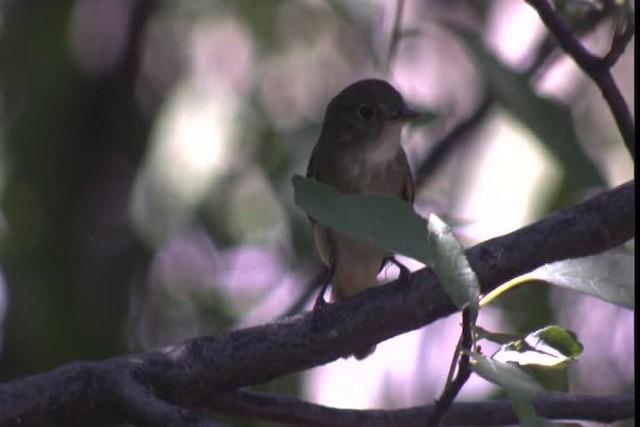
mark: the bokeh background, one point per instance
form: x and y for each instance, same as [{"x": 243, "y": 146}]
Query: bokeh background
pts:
[{"x": 146, "y": 155}]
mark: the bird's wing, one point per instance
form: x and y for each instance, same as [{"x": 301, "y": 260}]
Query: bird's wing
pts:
[
  {"x": 408, "y": 190},
  {"x": 312, "y": 172}
]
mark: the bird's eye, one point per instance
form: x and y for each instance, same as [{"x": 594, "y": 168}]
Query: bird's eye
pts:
[{"x": 366, "y": 112}]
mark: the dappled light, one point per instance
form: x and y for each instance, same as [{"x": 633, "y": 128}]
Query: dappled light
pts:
[{"x": 147, "y": 151}]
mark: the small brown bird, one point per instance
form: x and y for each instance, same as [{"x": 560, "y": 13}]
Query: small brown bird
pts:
[{"x": 359, "y": 151}]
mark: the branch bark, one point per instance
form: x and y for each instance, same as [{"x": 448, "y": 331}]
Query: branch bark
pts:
[
  {"x": 184, "y": 375},
  {"x": 263, "y": 406}
]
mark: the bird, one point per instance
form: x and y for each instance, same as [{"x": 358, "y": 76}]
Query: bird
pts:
[{"x": 359, "y": 152}]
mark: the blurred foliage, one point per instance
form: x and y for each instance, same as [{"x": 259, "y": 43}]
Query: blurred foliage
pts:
[
  {"x": 70, "y": 144},
  {"x": 147, "y": 149}
]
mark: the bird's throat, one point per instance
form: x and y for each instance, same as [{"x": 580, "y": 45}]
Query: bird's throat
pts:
[{"x": 385, "y": 147}]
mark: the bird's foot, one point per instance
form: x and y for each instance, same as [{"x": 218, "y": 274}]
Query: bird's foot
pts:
[{"x": 405, "y": 273}]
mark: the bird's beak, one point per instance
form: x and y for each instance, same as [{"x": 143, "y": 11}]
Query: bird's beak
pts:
[{"x": 406, "y": 114}]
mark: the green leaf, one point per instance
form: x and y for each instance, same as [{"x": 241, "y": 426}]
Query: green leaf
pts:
[
  {"x": 445, "y": 255},
  {"x": 387, "y": 221},
  {"x": 547, "y": 119},
  {"x": 526, "y": 413},
  {"x": 523, "y": 407},
  {"x": 392, "y": 224},
  {"x": 555, "y": 379},
  {"x": 606, "y": 276},
  {"x": 609, "y": 277},
  {"x": 552, "y": 346},
  {"x": 506, "y": 375},
  {"x": 496, "y": 337},
  {"x": 544, "y": 354},
  {"x": 554, "y": 338}
]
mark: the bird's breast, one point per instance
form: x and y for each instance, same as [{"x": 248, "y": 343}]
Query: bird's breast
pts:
[
  {"x": 366, "y": 176},
  {"x": 384, "y": 148}
]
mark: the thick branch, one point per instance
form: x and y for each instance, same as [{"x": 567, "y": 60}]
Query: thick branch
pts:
[
  {"x": 278, "y": 408},
  {"x": 185, "y": 374}
]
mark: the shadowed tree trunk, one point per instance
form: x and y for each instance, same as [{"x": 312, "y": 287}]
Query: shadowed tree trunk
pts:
[{"x": 74, "y": 142}]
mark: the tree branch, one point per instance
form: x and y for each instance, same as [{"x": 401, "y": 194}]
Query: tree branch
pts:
[
  {"x": 556, "y": 406},
  {"x": 598, "y": 69},
  {"x": 458, "y": 136},
  {"x": 88, "y": 393},
  {"x": 143, "y": 408},
  {"x": 452, "y": 140},
  {"x": 464, "y": 371}
]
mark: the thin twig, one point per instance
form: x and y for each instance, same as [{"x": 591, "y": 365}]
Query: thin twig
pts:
[
  {"x": 396, "y": 33},
  {"x": 454, "y": 361},
  {"x": 450, "y": 142},
  {"x": 618, "y": 46},
  {"x": 598, "y": 69},
  {"x": 464, "y": 372},
  {"x": 444, "y": 147}
]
